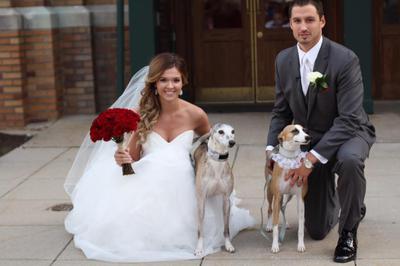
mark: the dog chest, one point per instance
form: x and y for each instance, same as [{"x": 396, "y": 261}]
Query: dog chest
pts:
[
  {"x": 216, "y": 168},
  {"x": 284, "y": 185},
  {"x": 217, "y": 177},
  {"x": 285, "y": 188}
]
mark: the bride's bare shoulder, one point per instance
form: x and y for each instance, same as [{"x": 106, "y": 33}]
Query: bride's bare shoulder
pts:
[
  {"x": 193, "y": 110},
  {"x": 198, "y": 118}
]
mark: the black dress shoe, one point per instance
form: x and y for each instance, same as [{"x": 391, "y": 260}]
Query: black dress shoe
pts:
[{"x": 346, "y": 249}]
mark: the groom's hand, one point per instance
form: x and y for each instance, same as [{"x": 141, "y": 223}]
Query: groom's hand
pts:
[{"x": 300, "y": 175}]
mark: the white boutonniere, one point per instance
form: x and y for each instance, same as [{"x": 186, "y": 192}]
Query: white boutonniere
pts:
[{"x": 318, "y": 81}]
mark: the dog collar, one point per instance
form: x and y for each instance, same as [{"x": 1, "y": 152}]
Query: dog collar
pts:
[
  {"x": 216, "y": 156},
  {"x": 287, "y": 153},
  {"x": 288, "y": 163}
]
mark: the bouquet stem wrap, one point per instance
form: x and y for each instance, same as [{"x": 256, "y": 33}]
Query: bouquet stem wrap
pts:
[
  {"x": 126, "y": 167},
  {"x": 112, "y": 124}
]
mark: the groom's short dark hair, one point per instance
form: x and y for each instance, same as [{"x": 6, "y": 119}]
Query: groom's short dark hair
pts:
[{"x": 317, "y": 3}]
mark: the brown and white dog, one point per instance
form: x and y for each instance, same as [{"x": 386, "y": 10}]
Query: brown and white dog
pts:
[
  {"x": 214, "y": 177},
  {"x": 289, "y": 156}
]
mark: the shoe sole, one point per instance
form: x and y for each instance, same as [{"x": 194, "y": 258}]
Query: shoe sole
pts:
[{"x": 345, "y": 261}]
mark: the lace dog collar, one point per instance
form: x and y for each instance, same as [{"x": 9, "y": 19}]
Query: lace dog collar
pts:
[{"x": 288, "y": 163}]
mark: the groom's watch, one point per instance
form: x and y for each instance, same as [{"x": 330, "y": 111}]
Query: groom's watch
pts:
[{"x": 307, "y": 163}]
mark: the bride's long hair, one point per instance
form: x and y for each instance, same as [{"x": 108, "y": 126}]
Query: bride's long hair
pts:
[{"x": 150, "y": 106}]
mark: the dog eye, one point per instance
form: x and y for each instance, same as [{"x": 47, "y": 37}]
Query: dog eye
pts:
[
  {"x": 221, "y": 132},
  {"x": 295, "y": 131},
  {"x": 233, "y": 131}
]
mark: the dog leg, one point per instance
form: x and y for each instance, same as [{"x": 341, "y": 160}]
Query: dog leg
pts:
[
  {"x": 227, "y": 211},
  {"x": 300, "y": 212},
  {"x": 201, "y": 202},
  {"x": 268, "y": 227},
  {"x": 285, "y": 201},
  {"x": 275, "y": 222}
]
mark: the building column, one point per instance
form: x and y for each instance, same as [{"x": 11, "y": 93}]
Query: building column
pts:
[
  {"x": 142, "y": 32},
  {"x": 358, "y": 37}
]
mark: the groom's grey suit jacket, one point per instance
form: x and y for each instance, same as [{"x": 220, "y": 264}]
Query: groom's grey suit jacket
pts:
[{"x": 332, "y": 116}]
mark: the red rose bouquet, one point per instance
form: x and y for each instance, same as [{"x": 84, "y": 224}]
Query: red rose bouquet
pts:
[{"x": 112, "y": 124}]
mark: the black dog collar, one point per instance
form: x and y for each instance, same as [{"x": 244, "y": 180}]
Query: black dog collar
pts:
[{"x": 216, "y": 156}]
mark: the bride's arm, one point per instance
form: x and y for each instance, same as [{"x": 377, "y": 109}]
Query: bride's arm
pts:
[{"x": 202, "y": 124}]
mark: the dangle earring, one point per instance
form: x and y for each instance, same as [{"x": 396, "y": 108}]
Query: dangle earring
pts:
[
  {"x": 156, "y": 92},
  {"x": 181, "y": 92}
]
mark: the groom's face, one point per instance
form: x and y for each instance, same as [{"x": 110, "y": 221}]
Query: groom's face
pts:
[{"x": 306, "y": 25}]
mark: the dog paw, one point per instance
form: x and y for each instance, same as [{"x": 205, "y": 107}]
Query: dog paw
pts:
[
  {"x": 268, "y": 228},
  {"x": 229, "y": 247},
  {"x": 301, "y": 248},
  {"x": 275, "y": 248},
  {"x": 199, "y": 252}
]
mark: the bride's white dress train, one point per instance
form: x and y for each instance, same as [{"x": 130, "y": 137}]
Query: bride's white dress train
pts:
[{"x": 148, "y": 216}]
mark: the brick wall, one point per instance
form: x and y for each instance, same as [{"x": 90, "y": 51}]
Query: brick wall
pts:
[
  {"x": 5, "y": 3},
  {"x": 77, "y": 70},
  {"x": 23, "y": 3},
  {"x": 65, "y": 2},
  {"x": 61, "y": 62},
  {"x": 105, "y": 49},
  {"x": 11, "y": 80},
  {"x": 43, "y": 86}
]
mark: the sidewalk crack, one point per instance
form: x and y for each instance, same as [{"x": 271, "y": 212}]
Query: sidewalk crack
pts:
[{"x": 62, "y": 250}]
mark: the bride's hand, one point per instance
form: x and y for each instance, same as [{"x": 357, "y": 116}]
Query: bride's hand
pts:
[{"x": 122, "y": 157}]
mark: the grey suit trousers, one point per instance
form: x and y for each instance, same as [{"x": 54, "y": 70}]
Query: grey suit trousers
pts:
[{"x": 324, "y": 200}]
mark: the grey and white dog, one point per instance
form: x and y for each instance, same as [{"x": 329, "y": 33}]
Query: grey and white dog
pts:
[{"x": 214, "y": 177}]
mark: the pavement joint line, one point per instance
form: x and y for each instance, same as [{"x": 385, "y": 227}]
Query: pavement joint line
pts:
[
  {"x": 62, "y": 250},
  {"x": 30, "y": 225},
  {"x": 19, "y": 259},
  {"x": 272, "y": 259},
  {"x": 34, "y": 172}
]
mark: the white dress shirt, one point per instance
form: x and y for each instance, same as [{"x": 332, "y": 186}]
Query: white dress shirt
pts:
[{"x": 307, "y": 61}]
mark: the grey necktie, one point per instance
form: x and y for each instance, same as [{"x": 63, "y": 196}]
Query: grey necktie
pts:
[{"x": 304, "y": 72}]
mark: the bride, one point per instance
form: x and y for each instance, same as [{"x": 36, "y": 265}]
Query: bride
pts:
[{"x": 151, "y": 215}]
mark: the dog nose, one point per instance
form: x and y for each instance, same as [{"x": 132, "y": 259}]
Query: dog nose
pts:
[{"x": 231, "y": 143}]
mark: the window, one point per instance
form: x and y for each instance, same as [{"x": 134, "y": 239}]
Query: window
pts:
[
  {"x": 391, "y": 12},
  {"x": 222, "y": 14}
]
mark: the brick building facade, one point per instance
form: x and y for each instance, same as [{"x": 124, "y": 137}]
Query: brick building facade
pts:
[{"x": 56, "y": 57}]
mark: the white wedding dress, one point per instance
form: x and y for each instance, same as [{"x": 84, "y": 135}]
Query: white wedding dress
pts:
[{"x": 148, "y": 216}]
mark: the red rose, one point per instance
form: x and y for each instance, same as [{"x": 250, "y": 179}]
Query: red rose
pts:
[{"x": 113, "y": 123}]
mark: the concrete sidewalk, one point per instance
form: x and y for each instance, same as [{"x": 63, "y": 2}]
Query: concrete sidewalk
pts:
[{"x": 32, "y": 177}]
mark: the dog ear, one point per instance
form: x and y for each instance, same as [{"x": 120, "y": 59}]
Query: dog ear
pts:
[
  {"x": 204, "y": 138},
  {"x": 215, "y": 127},
  {"x": 280, "y": 137}
]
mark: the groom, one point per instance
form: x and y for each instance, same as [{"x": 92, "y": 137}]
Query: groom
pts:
[{"x": 341, "y": 132}]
